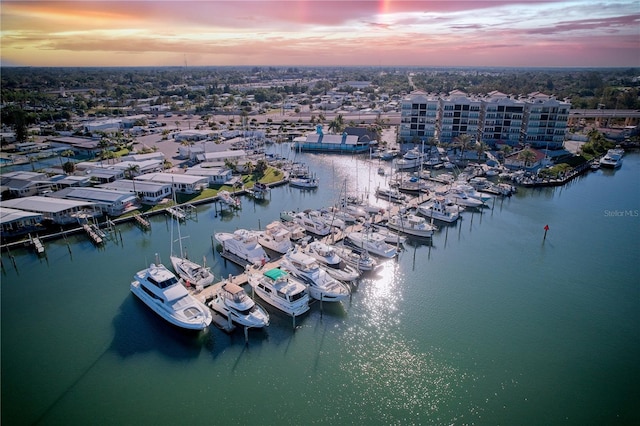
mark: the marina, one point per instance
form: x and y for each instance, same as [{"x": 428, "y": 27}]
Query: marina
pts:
[{"x": 469, "y": 324}]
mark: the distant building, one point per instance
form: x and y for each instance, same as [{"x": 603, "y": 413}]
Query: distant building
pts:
[
  {"x": 180, "y": 182},
  {"x": 536, "y": 119},
  {"x": 57, "y": 210},
  {"x": 14, "y": 222}
]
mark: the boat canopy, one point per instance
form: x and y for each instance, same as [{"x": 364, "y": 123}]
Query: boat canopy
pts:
[{"x": 275, "y": 274}]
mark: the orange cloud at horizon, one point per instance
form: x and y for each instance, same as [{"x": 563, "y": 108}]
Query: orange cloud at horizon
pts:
[{"x": 315, "y": 32}]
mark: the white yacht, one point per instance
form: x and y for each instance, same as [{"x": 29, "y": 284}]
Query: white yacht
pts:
[
  {"x": 389, "y": 236},
  {"x": 226, "y": 197},
  {"x": 243, "y": 244},
  {"x": 163, "y": 292},
  {"x": 410, "y": 160},
  {"x": 191, "y": 272},
  {"x": 373, "y": 243},
  {"x": 232, "y": 302},
  {"x": 296, "y": 232},
  {"x": 613, "y": 158},
  {"x": 312, "y": 225},
  {"x": 362, "y": 206},
  {"x": 391, "y": 194},
  {"x": 436, "y": 209},
  {"x": 281, "y": 290},
  {"x": 276, "y": 237},
  {"x": 411, "y": 224},
  {"x": 304, "y": 182},
  {"x": 470, "y": 191},
  {"x": 322, "y": 286},
  {"x": 461, "y": 198},
  {"x": 326, "y": 217},
  {"x": 323, "y": 253},
  {"x": 359, "y": 260},
  {"x": 341, "y": 214}
]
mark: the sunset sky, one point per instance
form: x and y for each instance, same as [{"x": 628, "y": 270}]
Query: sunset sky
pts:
[{"x": 321, "y": 32}]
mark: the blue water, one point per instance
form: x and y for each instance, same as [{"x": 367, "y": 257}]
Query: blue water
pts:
[{"x": 487, "y": 324}]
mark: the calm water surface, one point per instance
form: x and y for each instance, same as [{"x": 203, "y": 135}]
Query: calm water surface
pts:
[{"x": 486, "y": 324}]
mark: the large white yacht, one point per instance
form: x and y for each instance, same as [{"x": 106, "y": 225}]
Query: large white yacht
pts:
[
  {"x": 243, "y": 244},
  {"x": 410, "y": 160},
  {"x": 411, "y": 224},
  {"x": 322, "y": 286},
  {"x": 359, "y": 260},
  {"x": 163, "y": 292},
  {"x": 281, "y": 290},
  {"x": 323, "y": 253},
  {"x": 312, "y": 225},
  {"x": 329, "y": 260},
  {"x": 372, "y": 242},
  {"x": 461, "y": 198},
  {"x": 191, "y": 272},
  {"x": 276, "y": 237},
  {"x": 437, "y": 209},
  {"x": 232, "y": 302},
  {"x": 612, "y": 159}
]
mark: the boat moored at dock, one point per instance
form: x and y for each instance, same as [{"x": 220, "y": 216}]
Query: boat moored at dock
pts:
[
  {"x": 233, "y": 303},
  {"x": 281, "y": 290},
  {"x": 163, "y": 292}
]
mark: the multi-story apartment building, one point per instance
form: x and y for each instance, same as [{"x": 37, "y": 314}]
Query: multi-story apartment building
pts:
[
  {"x": 459, "y": 115},
  {"x": 418, "y": 117},
  {"x": 537, "y": 119},
  {"x": 502, "y": 119},
  {"x": 545, "y": 121}
]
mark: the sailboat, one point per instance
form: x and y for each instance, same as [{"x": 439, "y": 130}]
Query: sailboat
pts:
[{"x": 191, "y": 272}]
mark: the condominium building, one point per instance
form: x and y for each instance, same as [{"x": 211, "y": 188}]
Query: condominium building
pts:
[
  {"x": 545, "y": 121},
  {"x": 459, "y": 115},
  {"x": 502, "y": 119},
  {"x": 536, "y": 119},
  {"x": 418, "y": 117}
]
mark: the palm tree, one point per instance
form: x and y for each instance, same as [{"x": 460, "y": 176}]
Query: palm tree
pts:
[
  {"x": 463, "y": 141},
  {"x": 481, "y": 147},
  {"x": 130, "y": 172},
  {"x": 65, "y": 153},
  {"x": 526, "y": 156}
]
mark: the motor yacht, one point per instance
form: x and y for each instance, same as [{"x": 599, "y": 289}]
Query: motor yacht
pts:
[
  {"x": 312, "y": 225},
  {"x": 436, "y": 209},
  {"x": 461, "y": 198},
  {"x": 612, "y": 159},
  {"x": 322, "y": 286},
  {"x": 233, "y": 303},
  {"x": 281, "y": 290},
  {"x": 360, "y": 260},
  {"x": 323, "y": 253},
  {"x": 389, "y": 235},
  {"x": 162, "y": 291},
  {"x": 410, "y": 160},
  {"x": 411, "y": 224},
  {"x": 304, "y": 182},
  {"x": 243, "y": 244},
  {"x": 372, "y": 242},
  {"x": 276, "y": 237},
  {"x": 391, "y": 194}
]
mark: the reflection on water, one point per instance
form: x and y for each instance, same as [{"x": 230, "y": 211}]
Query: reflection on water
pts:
[{"x": 403, "y": 383}]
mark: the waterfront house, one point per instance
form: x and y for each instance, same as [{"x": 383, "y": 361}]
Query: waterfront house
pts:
[
  {"x": 57, "y": 210},
  {"x": 24, "y": 184},
  {"x": 14, "y": 222},
  {"x": 515, "y": 160},
  {"x": 109, "y": 201},
  {"x": 148, "y": 192},
  {"x": 217, "y": 175},
  {"x": 188, "y": 184}
]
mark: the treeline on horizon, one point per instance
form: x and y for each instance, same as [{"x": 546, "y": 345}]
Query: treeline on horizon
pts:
[{"x": 585, "y": 88}]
